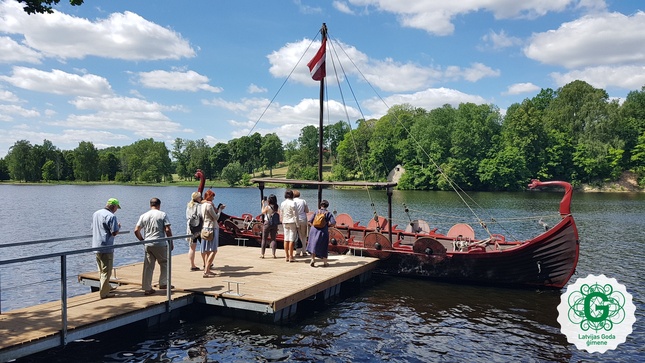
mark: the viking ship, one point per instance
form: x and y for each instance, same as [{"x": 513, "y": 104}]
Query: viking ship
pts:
[{"x": 547, "y": 260}]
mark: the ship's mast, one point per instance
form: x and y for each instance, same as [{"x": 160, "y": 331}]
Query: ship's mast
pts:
[{"x": 323, "y": 32}]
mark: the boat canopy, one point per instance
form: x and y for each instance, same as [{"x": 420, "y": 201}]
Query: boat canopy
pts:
[{"x": 262, "y": 181}]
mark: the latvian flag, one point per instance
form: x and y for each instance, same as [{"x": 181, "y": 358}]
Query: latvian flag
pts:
[{"x": 317, "y": 63}]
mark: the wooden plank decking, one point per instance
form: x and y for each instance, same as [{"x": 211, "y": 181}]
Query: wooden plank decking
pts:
[
  {"x": 265, "y": 285},
  {"x": 271, "y": 282}
]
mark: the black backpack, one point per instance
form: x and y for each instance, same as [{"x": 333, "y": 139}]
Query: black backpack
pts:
[{"x": 273, "y": 219}]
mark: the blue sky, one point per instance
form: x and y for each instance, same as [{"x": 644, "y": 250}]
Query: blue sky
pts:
[{"x": 114, "y": 72}]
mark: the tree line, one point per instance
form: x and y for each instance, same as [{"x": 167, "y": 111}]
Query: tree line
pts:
[{"x": 575, "y": 133}]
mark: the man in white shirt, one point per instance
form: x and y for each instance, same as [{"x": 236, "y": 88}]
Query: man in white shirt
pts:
[{"x": 303, "y": 233}]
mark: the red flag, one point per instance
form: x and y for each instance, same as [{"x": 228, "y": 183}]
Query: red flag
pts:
[{"x": 317, "y": 63}]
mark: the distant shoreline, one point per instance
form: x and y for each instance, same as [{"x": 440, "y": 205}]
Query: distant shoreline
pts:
[{"x": 621, "y": 186}]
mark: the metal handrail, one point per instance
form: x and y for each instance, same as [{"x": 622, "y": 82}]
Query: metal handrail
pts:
[
  {"x": 63, "y": 268},
  {"x": 41, "y": 241}
]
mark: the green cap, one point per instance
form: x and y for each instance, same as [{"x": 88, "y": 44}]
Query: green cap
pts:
[{"x": 114, "y": 201}]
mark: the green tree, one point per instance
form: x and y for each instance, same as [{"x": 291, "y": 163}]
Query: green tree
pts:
[
  {"x": 219, "y": 157},
  {"x": 108, "y": 164},
  {"x": 334, "y": 134},
  {"x": 49, "y": 171},
  {"x": 4, "y": 170},
  {"x": 354, "y": 147},
  {"x": 86, "y": 161},
  {"x": 21, "y": 163},
  {"x": 147, "y": 160},
  {"x": 431, "y": 144},
  {"x": 505, "y": 171},
  {"x": 475, "y": 132},
  {"x": 523, "y": 130},
  {"x": 181, "y": 159},
  {"x": 199, "y": 157},
  {"x": 233, "y": 173},
  {"x": 43, "y": 6},
  {"x": 246, "y": 151},
  {"x": 271, "y": 151}
]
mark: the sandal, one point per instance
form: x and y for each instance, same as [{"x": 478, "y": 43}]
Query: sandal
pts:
[
  {"x": 195, "y": 268},
  {"x": 208, "y": 275}
]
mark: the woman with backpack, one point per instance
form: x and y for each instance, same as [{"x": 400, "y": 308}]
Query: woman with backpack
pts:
[
  {"x": 194, "y": 226},
  {"x": 319, "y": 233},
  {"x": 270, "y": 225}
]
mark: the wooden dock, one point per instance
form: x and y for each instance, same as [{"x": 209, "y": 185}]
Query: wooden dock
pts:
[{"x": 271, "y": 288}]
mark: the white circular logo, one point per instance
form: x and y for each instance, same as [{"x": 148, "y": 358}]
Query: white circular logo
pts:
[{"x": 596, "y": 313}]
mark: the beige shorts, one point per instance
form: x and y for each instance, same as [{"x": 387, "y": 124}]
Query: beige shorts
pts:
[{"x": 289, "y": 231}]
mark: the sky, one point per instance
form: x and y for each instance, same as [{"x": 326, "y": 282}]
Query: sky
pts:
[{"x": 116, "y": 71}]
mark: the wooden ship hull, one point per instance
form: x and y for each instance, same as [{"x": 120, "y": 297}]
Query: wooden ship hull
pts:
[{"x": 545, "y": 261}]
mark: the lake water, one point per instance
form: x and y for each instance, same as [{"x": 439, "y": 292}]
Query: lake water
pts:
[{"x": 393, "y": 319}]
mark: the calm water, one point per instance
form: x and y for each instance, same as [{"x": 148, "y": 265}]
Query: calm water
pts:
[{"x": 396, "y": 320}]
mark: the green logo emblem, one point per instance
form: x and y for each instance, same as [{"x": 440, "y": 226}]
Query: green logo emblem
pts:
[{"x": 596, "y": 313}]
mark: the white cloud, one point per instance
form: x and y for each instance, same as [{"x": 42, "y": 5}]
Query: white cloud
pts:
[
  {"x": 626, "y": 77},
  {"x": 8, "y": 111},
  {"x": 306, "y": 9},
  {"x": 6, "y": 96},
  {"x": 177, "y": 81},
  {"x": 474, "y": 73},
  {"x": 388, "y": 74},
  {"x": 500, "y": 40},
  {"x": 592, "y": 5},
  {"x": 255, "y": 89},
  {"x": 342, "y": 7},
  {"x": 428, "y": 99},
  {"x": 11, "y": 51},
  {"x": 519, "y": 88},
  {"x": 142, "y": 118},
  {"x": 284, "y": 120},
  {"x": 594, "y": 40},
  {"x": 120, "y": 36},
  {"x": 437, "y": 17},
  {"x": 66, "y": 139},
  {"x": 58, "y": 82}
]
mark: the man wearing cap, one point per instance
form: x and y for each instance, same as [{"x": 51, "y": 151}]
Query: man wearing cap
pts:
[{"x": 104, "y": 227}]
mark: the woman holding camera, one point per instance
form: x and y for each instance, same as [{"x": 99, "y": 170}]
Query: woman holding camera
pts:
[{"x": 270, "y": 227}]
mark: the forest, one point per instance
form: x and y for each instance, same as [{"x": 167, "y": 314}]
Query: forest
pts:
[{"x": 575, "y": 133}]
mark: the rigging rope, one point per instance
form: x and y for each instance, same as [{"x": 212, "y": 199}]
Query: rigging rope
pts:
[
  {"x": 456, "y": 188},
  {"x": 351, "y": 131}
]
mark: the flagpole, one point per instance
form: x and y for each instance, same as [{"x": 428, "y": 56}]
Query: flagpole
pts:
[{"x": 323, "y": 32}]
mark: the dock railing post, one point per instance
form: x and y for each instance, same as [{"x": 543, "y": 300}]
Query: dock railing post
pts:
[
  {"x": 169, "y": 243},
  {"x": 63, "y": 299}
]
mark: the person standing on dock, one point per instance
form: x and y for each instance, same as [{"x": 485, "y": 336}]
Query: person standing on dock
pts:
[
  {"x": 303, "y": 209},
  {"x": 155, "y": 225},
  {"x": 290, "y": 221},
  {"x": 319, "y": 234},
  {"x": 194, "y": 224},
  {"x": 270, "y": 225},
  {"x": 104, "y": 227},
  {"x": 211, "y": 224}
]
